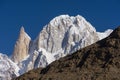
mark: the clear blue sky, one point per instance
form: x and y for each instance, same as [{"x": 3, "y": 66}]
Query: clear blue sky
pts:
[{"x": 34, "y": 14}]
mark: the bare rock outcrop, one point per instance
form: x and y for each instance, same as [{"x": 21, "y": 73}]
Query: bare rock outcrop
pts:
[
  {"x": 21, "y": 47},
  {"x": 99, "y": 61}
]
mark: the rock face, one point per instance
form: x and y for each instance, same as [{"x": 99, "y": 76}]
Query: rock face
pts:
[
  {"x": 8, "y": 69},
  {"x": 65, "y": 33},
  {"x": 21, "y": 47},
  {"x": 62, "y": 36},
  {"x": 99, "y": 61}
]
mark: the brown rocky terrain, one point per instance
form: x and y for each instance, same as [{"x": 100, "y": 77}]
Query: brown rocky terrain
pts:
[{"x": 99, "y": 61}]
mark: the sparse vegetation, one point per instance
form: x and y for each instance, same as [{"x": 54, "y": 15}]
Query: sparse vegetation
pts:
[{"x": 100, "y": 61}]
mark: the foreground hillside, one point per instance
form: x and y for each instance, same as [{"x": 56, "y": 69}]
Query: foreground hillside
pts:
[
  {"x": 100, "y": 61},
  {"x": 62, "y": 36}
]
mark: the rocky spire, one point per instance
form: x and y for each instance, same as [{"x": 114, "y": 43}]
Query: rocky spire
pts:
[
  {"x": 99, "y": 61},
  {"x": 21, "y": 47}
]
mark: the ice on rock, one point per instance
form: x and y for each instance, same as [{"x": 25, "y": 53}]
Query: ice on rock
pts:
[
  {"x": 8, "y": 69},
  {"x": 62, "y": 36},
  {"x": 102, "y": 35}
]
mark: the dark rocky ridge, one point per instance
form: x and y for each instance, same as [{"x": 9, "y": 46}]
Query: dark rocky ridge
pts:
[{"x": 99, "y": 61}]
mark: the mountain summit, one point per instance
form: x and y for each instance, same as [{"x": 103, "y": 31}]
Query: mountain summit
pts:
[
  {"x": 99, "y": 61},
  {"x": 62, "y": 36},
  {"x": 21, "y": 47}
]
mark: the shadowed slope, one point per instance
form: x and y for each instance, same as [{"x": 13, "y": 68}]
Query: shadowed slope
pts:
[{"x": 100, "y": 61}]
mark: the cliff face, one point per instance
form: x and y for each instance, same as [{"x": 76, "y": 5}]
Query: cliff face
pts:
[
  {"x": 21, "y": 47},
  {"x": 62, "y": 36},
  {"x": 99, "y": 61}
]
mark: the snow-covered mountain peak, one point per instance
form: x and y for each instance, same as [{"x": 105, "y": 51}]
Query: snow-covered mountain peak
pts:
[
  {"x": 66, "y": 16},
  {"x": 8, "y": 69},
  {"x": 68, "y": 21},
  {"x": 62, "y": 36},
  {"x": 62, "y": 28}
]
